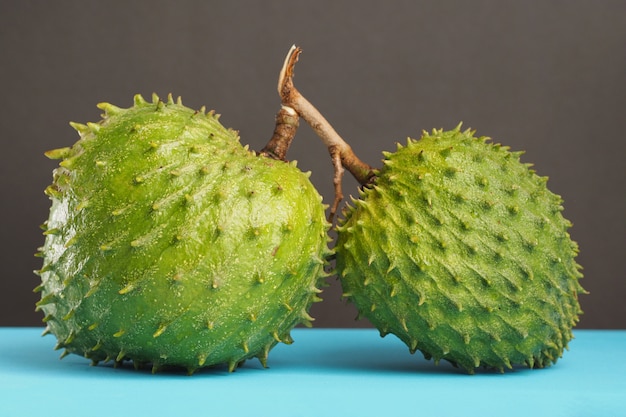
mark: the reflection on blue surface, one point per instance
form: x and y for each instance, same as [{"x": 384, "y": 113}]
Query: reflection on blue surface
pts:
[{"x": 326, "y": 372}]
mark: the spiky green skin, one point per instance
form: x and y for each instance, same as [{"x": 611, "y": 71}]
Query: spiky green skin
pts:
[
  {"x": 461, "y": 251},
  {"x": 169, "y": 243}
]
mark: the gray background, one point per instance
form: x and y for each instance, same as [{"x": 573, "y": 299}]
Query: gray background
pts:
[{"x": 544, "y": 76}]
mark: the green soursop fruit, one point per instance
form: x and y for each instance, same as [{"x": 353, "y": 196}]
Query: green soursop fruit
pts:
[
  {"x": 461, "y": 251},
  {"x": 168, "y": 243}
]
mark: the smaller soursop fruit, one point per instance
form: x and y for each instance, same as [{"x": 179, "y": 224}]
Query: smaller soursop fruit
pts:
[
  {"x": 168, "y": 243},
  {"x": 461, "y": 251}
]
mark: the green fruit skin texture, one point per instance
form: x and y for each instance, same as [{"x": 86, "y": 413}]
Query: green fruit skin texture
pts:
[
  {"x": 168, "y": 243},
  {"x": 461, "y": 251}
]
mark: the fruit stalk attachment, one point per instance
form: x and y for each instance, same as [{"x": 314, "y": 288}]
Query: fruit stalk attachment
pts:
[
  {"x": 341, "y": 153},
  {"x": 287, "y": 121}
]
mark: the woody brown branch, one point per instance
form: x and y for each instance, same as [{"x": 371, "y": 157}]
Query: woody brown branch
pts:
[{"x": 292, "y": 98}]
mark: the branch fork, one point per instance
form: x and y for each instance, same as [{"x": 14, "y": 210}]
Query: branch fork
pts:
[{"x": 295, "y": 105}]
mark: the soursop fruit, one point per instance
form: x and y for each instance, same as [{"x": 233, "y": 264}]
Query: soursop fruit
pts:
[
  {"x": 170, "y": 244},
  {"x": 462, "y": 252}
]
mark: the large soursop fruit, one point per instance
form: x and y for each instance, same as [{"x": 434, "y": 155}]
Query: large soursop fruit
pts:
[
  {"x": 462, "y": 252},
  {"x": 170, "y": 244}
]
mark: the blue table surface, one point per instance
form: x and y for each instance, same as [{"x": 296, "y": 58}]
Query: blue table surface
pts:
[{"x": 326, "y": 372}]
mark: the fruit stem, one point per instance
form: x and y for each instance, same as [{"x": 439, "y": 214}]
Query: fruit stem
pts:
[
  {"x": 287, "y": 121},
  {"x": 341, "y": 153}
]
